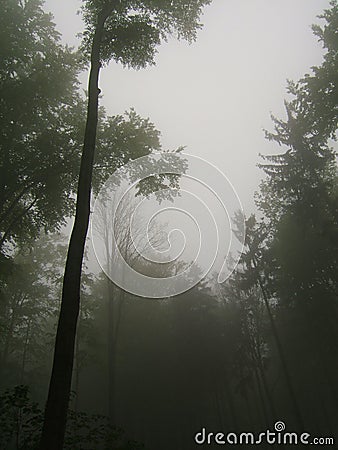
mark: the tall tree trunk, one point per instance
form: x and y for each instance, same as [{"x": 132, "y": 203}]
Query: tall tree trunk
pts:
[
  {"x": 218, "y": 408},
  {"x": 77, "y": 371},
  {"x": 231, "y": 402},
  {"x": 115, "y": 302},
  {"x": 24, "y": 354},
  {"x": 266, "y": 386},
  {"x": 15, "y": 305},
  {"x": 111, "y": 354},
  {"x": 248, "y": 407},
  {"x": 115, "y": 311},
  {"x": 60, "y": 383},
  {"x": 8, "y": 339},
  {"x": 285, "y": 369}
]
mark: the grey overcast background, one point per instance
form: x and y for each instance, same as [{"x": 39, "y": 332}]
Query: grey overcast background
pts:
[{"x": 216, "y": 95}]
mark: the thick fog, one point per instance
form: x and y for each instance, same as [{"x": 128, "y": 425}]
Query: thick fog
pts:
[{"x": 215, "y": 96}]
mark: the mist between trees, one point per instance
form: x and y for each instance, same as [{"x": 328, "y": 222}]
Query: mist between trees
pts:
[{"x": 131, "y": 372}]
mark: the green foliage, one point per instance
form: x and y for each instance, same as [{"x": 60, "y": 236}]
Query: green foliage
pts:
[
  {"x": 134, "y": 28},
  {"x": 28, "y": 308},
  {"x": 199, "y": 349},
  {"x": 120, "y": 139},
  {"x": 299, "y": 196},
  {"x": 304, "y": 178},
  {"x": 288, "y": 271},
  {"x": 298, "y": 199},
  {"x": 42, "y": 124},
  {"x": 41, "y": 121},
  {"x": 21, "y": 421}
]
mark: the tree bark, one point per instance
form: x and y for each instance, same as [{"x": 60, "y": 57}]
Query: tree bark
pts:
[{"x": 54, "y": 426}]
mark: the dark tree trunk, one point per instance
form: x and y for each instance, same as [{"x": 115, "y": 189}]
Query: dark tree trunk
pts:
[
  {"x": 218, "y": 408},
  {"x": 60, "y": 383},
  {"x": 266, "y": 387},
  {"x": 115, "y": 301},
  {"x": 114, "y": 319},
  {"x": 230, "y": 401},
  {"x": 77, "y": 371},
  {"x": 111, "y": 355},
  {"x": 24, "y": 354},
  {"x": 267, "y": 422},
  {"x": 285, "y": 369},
  {"x": 8, "y": 340},
  {"x": 16, "y": 304}
]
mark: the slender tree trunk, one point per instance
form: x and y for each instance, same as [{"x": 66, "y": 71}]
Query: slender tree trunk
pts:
[
  {"x": 77, "y": 372},
  {"x": 268, "y": 421},
  {"x": 15, "y": 305},
  {"x": 111, "y": 332},
  {"x": 266, "y": 386},
  {"x": 3, "y": 172},
  {"x": 60, "y": 383},
  {"x": 259, "y": 387},
  {"x": 248, "y": 407},
  {"x": 115, "y": 310},
  {"x": 115, "y": 301},
  {"x": 231, "y": 402},
  {"x": 8, "y": 340},
  {"x": 24, "y": 354},
  {"x": 111, "y": 354},
  {"x": 280, "y": 351},
  {"x": 218, "y": 408}
]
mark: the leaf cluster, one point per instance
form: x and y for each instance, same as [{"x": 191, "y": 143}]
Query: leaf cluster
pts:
[
  {"x": 134, "y": 28},
  {"x": 21, "y": 422}
]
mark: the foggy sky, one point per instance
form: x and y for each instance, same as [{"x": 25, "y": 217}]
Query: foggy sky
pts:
[{"x": 216, "y": 95}]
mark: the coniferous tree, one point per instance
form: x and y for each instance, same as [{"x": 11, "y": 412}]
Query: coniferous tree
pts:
[{"x": 299, "y": 203}]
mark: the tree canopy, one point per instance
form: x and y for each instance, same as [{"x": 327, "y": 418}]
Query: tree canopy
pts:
[{"x": 236, "y": 356}]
